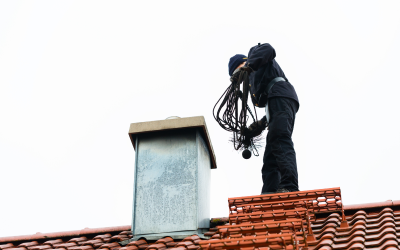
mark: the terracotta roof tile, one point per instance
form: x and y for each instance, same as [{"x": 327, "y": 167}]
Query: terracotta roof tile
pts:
[
  {"x": 103, "y": 237},
  {"x": 171, "y": 244},
  {"x": 137, "y": 243},
  {"x": 53, "y": 242},
  {"x": 41, "y": 247},
  {"x": 209, "y": 233},
  {"x": 118, "y": 238},
  {"x": 192, "y": 238},
  {"x": 65, "y": 245},
  {"x": 125, "y": 233},
  {"x": 390, "y": 245},
  {"x": 89, "y": 247},
  {"x": 215, "y": 236},
  {"x": 165, "y": 240},
  {"x": 29, "y": 244},
  {"x": 157, "y": 246},
  {"x": 143, "y": 247},
  {"x": 91, "y": 242},
  {"x": 355, "y": 234},
  {"x": 76, "y": 240},
  {"x": 5, "y": 246},
  {"x": 129, "y": 248},
  {"x": 110, "y": 245},
  {"x": 325, "y": 248},
  {"x": 381, "y": 234},
  {"x": 184, "y": 244},
  {"x": 193, "y": 247}
]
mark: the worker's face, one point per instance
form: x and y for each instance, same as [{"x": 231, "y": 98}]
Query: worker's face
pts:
[{"x": 241, "y": 65}]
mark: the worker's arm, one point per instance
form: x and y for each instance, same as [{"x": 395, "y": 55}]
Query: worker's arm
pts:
[
  {"x": 257, "y": 127},
  {"x": 260, "y": 55}
]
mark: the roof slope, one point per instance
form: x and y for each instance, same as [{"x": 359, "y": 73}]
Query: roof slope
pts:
[
  {"x": 370, "y": 226},
  {"x": 111, "y": 238}
]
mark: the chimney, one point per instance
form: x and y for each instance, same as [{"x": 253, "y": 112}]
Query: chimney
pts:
[{"x": 173, "y": 162}]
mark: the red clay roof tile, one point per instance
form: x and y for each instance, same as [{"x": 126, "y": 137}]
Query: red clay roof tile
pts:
[
  {"x": 103, "y": 236},
  {"x": 89, "y": 247},
  {"x": 53, "y": 242},
  {"x": 381, "y": 234},
  {"x": 184, "y": 243},
  {"x": 137, "y": 243},
  {"x": 65, "y": 245},
  {"x": 91, "y": 242},
  {"x": 129, "y": 248},
  {"x": 5, "y": 246},
  {"x": 79, "y": 239},
  {"x": 171, "y": 244},
  {"x": 193, "y": 247},
  {"x": 143, "y": 247},
  {"x": 157, "y": 246},
  {"x": 110, "y": 245},
  {"x": 165, "y": 240},
  {"x": 42, "y": 247},
  {"x": 125, "y": 233},
  {"x": 118, "y": 238},
  {"x": 192, "y": 238},
  {"x": 29, "y": 244}
]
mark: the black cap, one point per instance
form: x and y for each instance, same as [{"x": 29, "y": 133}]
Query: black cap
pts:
[{"x": 235, "y": 61}]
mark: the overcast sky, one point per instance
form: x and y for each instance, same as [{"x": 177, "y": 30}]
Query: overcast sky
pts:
[{"x": 75, "y": 74}]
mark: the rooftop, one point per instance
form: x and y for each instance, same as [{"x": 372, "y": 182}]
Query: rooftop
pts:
[{"x": 368, "y": 226}]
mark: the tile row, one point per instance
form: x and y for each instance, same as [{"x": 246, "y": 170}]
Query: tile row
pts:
[
  {"x": 379, "y": 230},
  {"x": 107, "y": 242},
  {"x": 104, "y": 241}
]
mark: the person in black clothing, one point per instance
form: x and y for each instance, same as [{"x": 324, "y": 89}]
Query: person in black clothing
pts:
[{"x": 270, "y": 88}]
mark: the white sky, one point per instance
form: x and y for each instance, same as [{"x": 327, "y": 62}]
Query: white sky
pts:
[{"x": 75, "y": 74}]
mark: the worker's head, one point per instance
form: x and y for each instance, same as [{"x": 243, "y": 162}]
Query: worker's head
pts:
[{"x": 235, "y": 62}]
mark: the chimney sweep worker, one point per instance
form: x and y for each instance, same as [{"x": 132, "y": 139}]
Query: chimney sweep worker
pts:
[{"x": 270, "y": 88}]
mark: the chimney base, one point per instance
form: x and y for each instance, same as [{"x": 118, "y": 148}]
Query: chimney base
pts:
[{"x": 174, "y": 235}]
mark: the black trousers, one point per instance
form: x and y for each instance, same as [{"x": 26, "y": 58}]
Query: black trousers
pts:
[{"x": 280, "y": 168}]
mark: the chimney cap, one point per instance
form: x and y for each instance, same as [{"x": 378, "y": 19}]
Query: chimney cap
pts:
[{"x": 173, "y": 124}]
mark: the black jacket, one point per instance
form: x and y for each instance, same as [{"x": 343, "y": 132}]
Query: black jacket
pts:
[{"x": 261, "y": 59}]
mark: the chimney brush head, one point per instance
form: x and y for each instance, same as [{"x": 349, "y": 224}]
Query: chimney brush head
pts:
[{"x": 246, "y": 154}]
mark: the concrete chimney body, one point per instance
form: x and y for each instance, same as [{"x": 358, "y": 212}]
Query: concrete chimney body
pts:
[{"x": 173, "y": 162}]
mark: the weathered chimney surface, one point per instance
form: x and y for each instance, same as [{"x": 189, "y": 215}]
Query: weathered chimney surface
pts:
[{"x": 173, "y": 165}]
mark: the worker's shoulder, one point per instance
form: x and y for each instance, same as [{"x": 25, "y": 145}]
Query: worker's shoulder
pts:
[{"x": 283, "y": 89}]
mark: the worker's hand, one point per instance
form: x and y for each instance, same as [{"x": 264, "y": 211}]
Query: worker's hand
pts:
[
  {"x": 247, "y": 69},
  {"x": 238, "y": 71},
  {"x": 256, "y": 128},
  {"x": 258, "y": 125},
  {"x": 235, "y": 76}
]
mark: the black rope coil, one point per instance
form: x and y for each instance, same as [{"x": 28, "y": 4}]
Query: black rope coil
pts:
[{"x": 233, "y": 118}]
